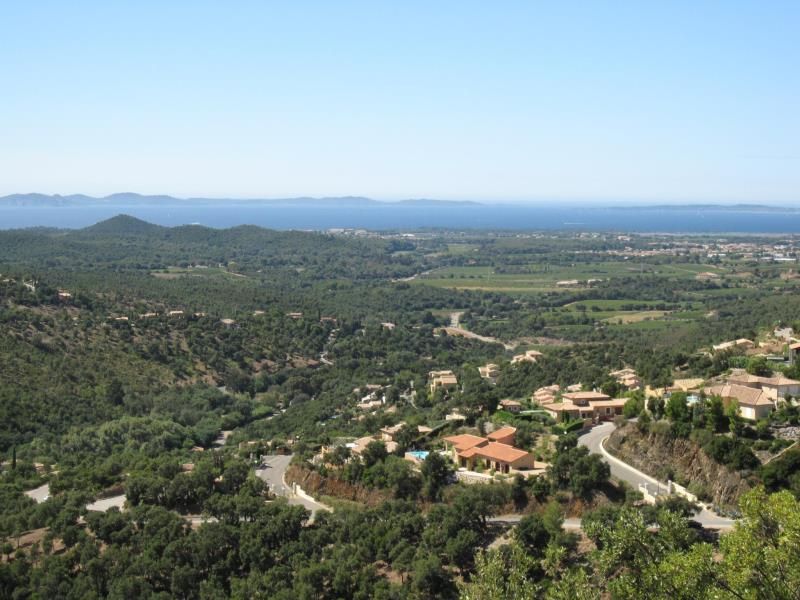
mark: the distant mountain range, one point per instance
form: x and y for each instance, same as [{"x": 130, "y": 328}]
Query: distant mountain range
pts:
[{"x": 131, "y": 199}]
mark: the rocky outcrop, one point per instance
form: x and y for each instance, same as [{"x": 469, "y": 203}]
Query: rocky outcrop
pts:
[
  {"x": 315, "y": 484},
  {"x": 680, "y": 460}
]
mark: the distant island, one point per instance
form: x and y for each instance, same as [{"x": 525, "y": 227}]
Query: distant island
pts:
[{"x": 133, "y": 199}]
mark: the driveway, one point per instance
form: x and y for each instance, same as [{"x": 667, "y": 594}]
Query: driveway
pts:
[
  {"x": 273, "y": 475},
  {"x": 39, "y": 494},
  {"x": 104, "y": 504},
  {"x": 622, "y": 471}
]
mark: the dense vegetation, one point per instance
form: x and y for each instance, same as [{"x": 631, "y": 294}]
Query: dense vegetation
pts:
[{"x": 127, "y": 348}]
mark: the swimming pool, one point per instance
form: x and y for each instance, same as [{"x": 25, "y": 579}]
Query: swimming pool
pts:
[{"x": 419, "y": 454}]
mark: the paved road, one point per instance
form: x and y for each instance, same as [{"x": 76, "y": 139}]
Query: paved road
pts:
[
  {"x": 624, "y": 472},
  {"x": 571, "y": 524},
  {"x": 104, "y": 504},
  {"x": 273, "y": 475},
  {"x": 39, "y": 494}
]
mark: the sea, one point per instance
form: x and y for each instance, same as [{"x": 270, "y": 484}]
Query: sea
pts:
[{"x": 400, "y": 216}]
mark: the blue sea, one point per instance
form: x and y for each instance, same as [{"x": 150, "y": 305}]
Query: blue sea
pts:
[{"x": 321, "y": 216}]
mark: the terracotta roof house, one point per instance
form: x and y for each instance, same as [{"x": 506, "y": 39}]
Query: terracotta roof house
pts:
[
  {"x": 754, "y": 404},
  {"x": 500, "y": 457},
  {"x": 463, "y": 441},
  {"x": 459, "y": 443},
  {"x": 504, "y": 435}
]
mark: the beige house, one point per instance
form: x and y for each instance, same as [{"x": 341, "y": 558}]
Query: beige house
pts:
[
  {"x": 586, "y": 405},
  {"x": 442, "y": 379},
  {"x": 358, "y": 446},
  {"x": 775, "y": 387},
  {"x": 754, "y": 403},
  {"x": 627, "y": 378},
  {"x": 564, "y": 411},
  {"x": 546, "y": 395},
  {"x": 512, "y": 406},
  {"x": 489, "y": 371},
  {"x": 527, "y": 356}
]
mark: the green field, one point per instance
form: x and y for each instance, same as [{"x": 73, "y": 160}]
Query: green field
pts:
[{"x": 534, "y": 278}]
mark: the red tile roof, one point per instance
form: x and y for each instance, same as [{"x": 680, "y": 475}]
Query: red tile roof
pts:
[
  {"x": 496, "y": 451},
  {"x": 465, "y": 441},
  {"x": 503, "y": 432}
]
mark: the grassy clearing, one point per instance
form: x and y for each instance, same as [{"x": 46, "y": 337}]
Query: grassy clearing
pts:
[{"x": 636, "y": 317}]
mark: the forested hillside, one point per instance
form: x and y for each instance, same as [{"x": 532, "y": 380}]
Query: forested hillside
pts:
[{"x": 163, "y": 362}]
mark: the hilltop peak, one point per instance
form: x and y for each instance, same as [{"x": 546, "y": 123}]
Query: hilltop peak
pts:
[{"x": 122, "y": 225}]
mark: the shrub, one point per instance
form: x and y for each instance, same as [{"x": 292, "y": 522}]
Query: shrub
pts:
[{"x": 662, "y": 428}]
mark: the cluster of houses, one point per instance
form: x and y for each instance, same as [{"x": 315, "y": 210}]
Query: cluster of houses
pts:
[{"x": 491, "y": 371}]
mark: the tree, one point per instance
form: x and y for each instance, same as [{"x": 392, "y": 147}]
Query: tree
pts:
[
  {"x": 532, "y": 535},
  {"x": 519, "y": 492},
  {"x": 115, "y": 394},
  {"x": 676, "y": 409},
  {"x": 436, "y": 472},
  {"x": 405, "y": 437},
  {"x": 656, "y": 407},
  {"x": 758, "y": 365},
  {"x": 501, "y": 575},
  {"x": 761, "y": 556},
  {"x": 716, "y": 421},
  {"x": 429, "y": 580},
  {"x": 375, "y": 452},
  {"x": 634, "y": 405}
]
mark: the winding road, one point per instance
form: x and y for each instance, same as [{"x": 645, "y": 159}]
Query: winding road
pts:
[
  {"x": 273, "y": 473},
  {"x": 622, "y": 471}
]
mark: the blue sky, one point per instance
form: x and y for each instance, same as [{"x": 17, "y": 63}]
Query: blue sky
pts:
[{"x": 476, "y": 100}]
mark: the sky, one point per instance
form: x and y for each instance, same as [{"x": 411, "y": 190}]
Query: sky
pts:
[{"x": 490, "y": 101}]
